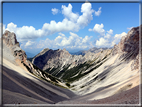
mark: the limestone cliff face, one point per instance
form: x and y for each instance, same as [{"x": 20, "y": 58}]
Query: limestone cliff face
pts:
[
  {"x": 94, "y": 71},
  {"x": 121, "y": 69},
  {"x": 63, "y": 65},
  {"x": 49, "y": 58},
  {"x": 10, "y": 43},
  {"x": 13, "y": 53},
  {"x": 104, "y": 73},
  {"x": 128, "y": 43},
  {"x": 128, "y": 47}
]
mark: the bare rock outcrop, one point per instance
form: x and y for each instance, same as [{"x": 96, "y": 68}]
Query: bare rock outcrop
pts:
[
  {"x": 128, "y": 47},
  {"x": 128, "y": 44},
  {"x": 10, "y": 38},
  {"x": 49, "y": 58},
  {"x": 12, "y": 52},
  {"x": 10, "y": 43}
]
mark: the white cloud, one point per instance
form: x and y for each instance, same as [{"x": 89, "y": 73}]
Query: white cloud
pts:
[
  {"x": 29, "y": 43},
  {"x": 61, "y": 34},
  {"x": 65, "y": 25},
  {"x": 108, "y": 34},
  {"x": 71, "y": 22},
  {"x": 61, "y": 41},
  {"x": 25, "y": 32},
  {"x": 109, "y": 41},
  {"x": 54, "y": 11},
  {"x": 86, "y": 39},
  {"x": 102, "y": 42},
  {"x": 86, "y": 17},
  {"x": 106, "y": 40},
  {"x": 67, "y": 11},
  {"x": 130, "y": 28},
  {"x": 97, "y": 13},
  {"x": 90, "y": 29},
  {"x": 99, "y": 29},
  {"x": 110, "y": 31},
  {"x": 117, "y": 38}
]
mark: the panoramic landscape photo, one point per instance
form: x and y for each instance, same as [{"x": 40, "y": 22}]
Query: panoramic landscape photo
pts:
[{"x": 70, "y": 53}]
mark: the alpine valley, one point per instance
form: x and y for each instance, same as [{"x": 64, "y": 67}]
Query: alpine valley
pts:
[{"x": 96, "y": 76}]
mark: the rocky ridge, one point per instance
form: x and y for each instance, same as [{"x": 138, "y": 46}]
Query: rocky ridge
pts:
[
  {"x": 107, "y": 73},
  {"x": 10, "y": 43},
  {"x": 13, "y": 53},
  {"x": 61, "y": 62},
  {"x": 49, "y": 58},
  {"x": 116, "y": 69},
  {"x": 128, "y": 47},
  {"x": 122, "y": 65}
]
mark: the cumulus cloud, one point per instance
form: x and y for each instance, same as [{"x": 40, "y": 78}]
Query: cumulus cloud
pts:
[
  {"x": 108, "y": 34},
  {"x": 54, "y": 11},
  {"x": 71, "y": 22},
  {"x": 25, "y": 32},
  {"x": 90, "y": 29},
  {"x": 61, "y": 41},
  {"x": 102, "y": 42},
  {"x": 117, "y": 37},
  {"x": 87, "y": 16},
  {"x": 109, "y": 41},
  {"x": 67, "y": 12},
  {"x": 97, "y": 13},
  {"x": 106, "y": 39},
  {"x": 110, "y": 31},
  {"x": 29, "y": 43},
  {"x": 99, "y": 29}
]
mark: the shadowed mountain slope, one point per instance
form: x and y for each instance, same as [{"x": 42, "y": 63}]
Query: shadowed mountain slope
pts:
[
  {"x": 24, "y": 83},
  {"x": 110, "y": 76},
  {"x": 105, "y": 73}
]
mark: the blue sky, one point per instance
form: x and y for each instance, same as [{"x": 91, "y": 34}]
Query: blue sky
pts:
[{"x": 74, "y": 26}]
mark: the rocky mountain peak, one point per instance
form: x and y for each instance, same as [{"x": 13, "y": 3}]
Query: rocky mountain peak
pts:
[
  {"x": 64, "y": 49},
  {"x": 10, "y": 38},
  {"x": 14, "y": 54},
  {"x": 11, "y": 46},
  {"x": 128, "y": 47},
  {"x": 62, "y": 58},
  {"x": 44, "y": 50},
  {"x": 128, "y": 44},
  {"x": 50, "y": 58}
]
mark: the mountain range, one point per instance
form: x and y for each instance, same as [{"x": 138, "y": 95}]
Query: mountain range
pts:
[{"x": 96, "y": 76}]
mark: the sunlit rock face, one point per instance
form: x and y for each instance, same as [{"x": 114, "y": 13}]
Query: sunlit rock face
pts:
[
  {"x": 11, "y": 46},
  {"x": 10, "y": 38},
  {"x": 106, "y": 71},
  {"x": 128, "y": 47},
  {"x": 13, "y": 53},
  {"x": 96, "y": 74},
  {"x": 58, "y": 59},
  {"x": 120, "y": 70},
  {"x": 129, "y": 43}
]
